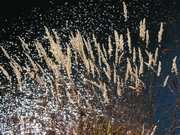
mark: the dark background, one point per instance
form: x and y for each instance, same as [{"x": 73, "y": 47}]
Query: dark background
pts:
[
  {"x": 11, "y": 8},
  {"x": 14, "y": 8}
]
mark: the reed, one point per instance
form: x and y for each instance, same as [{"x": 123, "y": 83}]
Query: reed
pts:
[{"x": 86, "y": 92}]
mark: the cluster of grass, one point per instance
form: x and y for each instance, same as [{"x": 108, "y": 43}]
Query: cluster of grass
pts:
[{"x": 84, "y": 87}]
